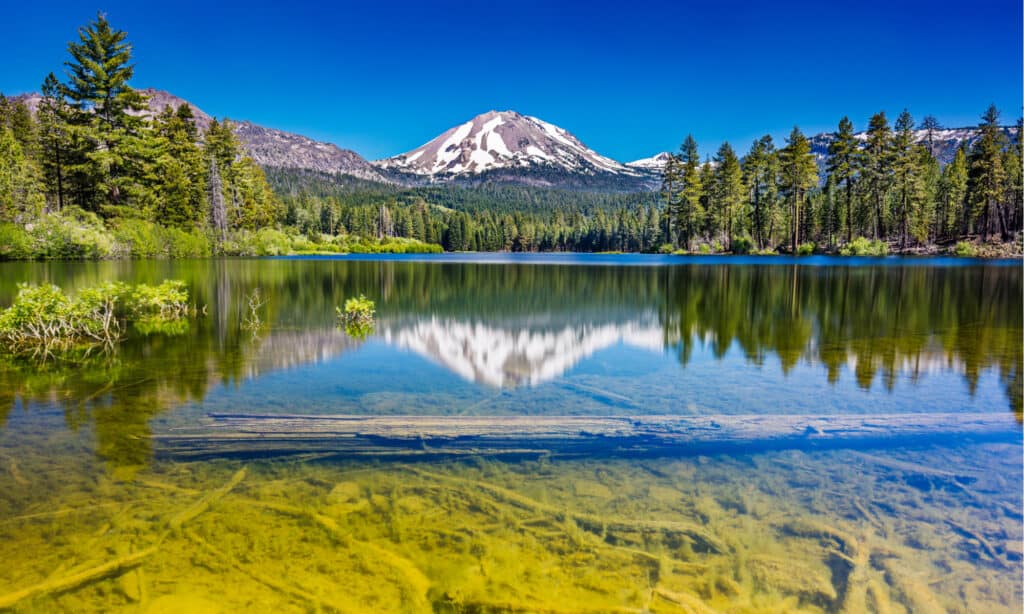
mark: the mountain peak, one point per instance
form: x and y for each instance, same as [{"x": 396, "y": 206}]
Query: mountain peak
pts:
[{"x": 509, "y": 147}]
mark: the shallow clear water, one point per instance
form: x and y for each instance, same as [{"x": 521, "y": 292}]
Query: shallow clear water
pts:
[{"x": 91, "y": 472}]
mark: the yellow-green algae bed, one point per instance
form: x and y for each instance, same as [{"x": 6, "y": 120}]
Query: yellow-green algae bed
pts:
[{"x": 777, "y": 531}]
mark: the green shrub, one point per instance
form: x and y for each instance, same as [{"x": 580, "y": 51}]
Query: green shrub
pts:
[
  {"x": 357, "y": 316},
  {"x": 965, "y": 249},
  {"x": 742, "y": 245},
  {"x": 15, "y": 243},
  {"x": 138, "y": 238},
  {"x": 71, "y": 235},
  {"x": 665, "y": 248},
  {"x": 861, "y": 246},
  {"x": 44, "y": 319},
  {"x": 704, "y": 249},
  {"x": 180, "y": 243},
  {"x": 805, "y": 249}
]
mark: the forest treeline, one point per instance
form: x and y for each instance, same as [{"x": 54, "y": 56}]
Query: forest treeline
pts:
[
  {"x": 91, "y": 172},
  {"x": 882, "y": 190},
  {"x": 886, "y": 185}
]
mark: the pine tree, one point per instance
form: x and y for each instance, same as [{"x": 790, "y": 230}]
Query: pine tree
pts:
[
  {"x": 727, "y": 193},
  {"x": 952, "y": 216},
  {"x": 707, "y": 178},
  {"x": 843, "y": 154},
  {"x": 907, "y": 175},
  {"x": 21, "y": 191},
  {"x": 690, "y": 216},
  {"x": 760, "y": 168},
  {"x": 876, "y": 169},
  {"x": 798, "y": 173},
  {"x": 101, "y": 104},
  {"x": 988, "y": 178},
  {"x": 181, "y": 187},
  {"x": 931, "y": 126},
  {"x": 53, "y": 137},
  {"x": 1012, "y": 161},
  {"x": 671, "y": 189}
]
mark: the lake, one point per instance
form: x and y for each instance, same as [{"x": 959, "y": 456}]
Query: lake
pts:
[{"x": 538, "y": 433}]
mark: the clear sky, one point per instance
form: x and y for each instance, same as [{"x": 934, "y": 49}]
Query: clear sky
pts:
[{"x": 629, "y": 78}]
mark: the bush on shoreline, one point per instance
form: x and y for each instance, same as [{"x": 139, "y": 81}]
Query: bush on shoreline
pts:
[
  {"x": 864, "y": 247},
  {"x": 78, "y": 235}
]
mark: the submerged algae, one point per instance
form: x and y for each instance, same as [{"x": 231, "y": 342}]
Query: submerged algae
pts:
[{"x": 816, "y": 531}]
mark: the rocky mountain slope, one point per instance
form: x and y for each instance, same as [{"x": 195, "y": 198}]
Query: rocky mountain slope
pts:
[
  {"x": 267, "y": 146},
  {"x": 507, "y": 147}
]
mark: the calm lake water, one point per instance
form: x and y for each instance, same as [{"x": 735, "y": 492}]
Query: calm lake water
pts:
[{"x": 126, "y": 482}]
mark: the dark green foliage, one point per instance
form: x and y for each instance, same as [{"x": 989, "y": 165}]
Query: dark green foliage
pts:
[{"x": 798, "y": 174}]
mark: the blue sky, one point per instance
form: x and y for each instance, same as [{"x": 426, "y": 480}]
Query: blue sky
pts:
[{"x": 629, "y": 78}]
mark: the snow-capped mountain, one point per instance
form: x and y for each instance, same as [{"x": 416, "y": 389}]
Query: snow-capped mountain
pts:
[
  {"x": 655, "y": 163},
  {"x": 507, "y": 147}
]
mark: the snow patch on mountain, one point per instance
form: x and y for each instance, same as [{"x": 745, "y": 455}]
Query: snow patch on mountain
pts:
[{"x": 654, "y": 163}]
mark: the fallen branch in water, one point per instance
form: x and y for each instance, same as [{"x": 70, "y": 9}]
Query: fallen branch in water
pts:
[
  {"x": 76, "y": 580},
  {"x": 203, "y": 504}
]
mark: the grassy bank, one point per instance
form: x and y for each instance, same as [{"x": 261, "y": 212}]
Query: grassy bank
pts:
[{"x": 79, "y": 235}]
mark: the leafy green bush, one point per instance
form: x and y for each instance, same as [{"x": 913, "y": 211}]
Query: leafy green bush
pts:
[
  {"x": 71, "y": 235},
  {"x": 15, "y": 243},
  {"x": 965, "y": 249},
  {"x": 665, "y": 248},
  {"x": 861, "y": 246},
  {"x": 185, "y": 243},
  {"x": 138, "y": 238},
  {"x": 357, "y": 316},
  {"x": 742, "y": 245},
  {"x": 44, "y": 319},
  {"x": 805, "y": 249}
]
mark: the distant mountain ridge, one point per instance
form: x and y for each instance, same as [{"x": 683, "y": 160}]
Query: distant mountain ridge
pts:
[{"x": 501, "y": 147}]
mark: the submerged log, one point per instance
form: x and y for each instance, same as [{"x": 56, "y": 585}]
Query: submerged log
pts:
[{"x": 431, "y": 436}]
